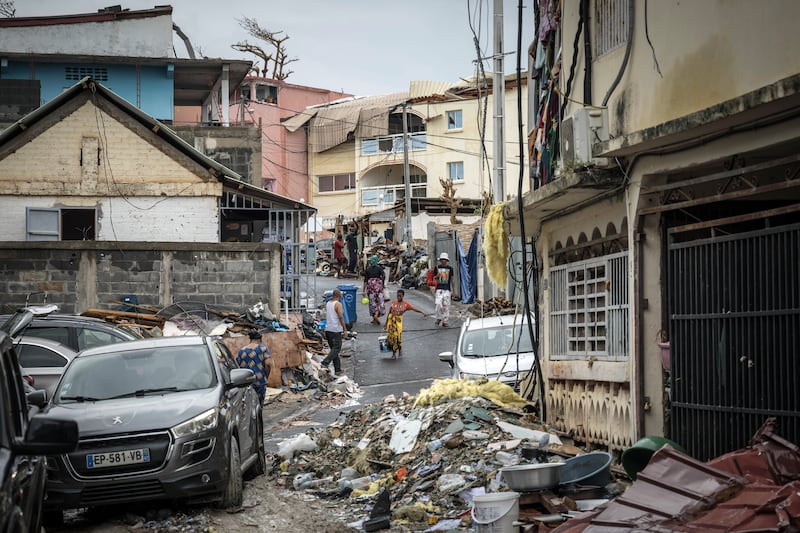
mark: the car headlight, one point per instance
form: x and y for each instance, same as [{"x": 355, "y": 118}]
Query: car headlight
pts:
[{"x": 202, "y": 422}]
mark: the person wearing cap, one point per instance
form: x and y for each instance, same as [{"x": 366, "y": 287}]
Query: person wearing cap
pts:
[
  {"x": 255, "y": 356},
  {"x": 444, "y": 279}
]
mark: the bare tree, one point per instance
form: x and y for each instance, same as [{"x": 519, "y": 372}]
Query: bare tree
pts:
[
  {"x": 273, "y": 54},
  {"x": 449, "y": 197}
]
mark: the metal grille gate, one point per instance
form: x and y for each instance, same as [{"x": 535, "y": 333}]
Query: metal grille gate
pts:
[{"x": 734, "y": 325}]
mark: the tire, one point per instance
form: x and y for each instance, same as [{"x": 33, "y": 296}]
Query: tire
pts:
[
  {"x": 325, "y": 268},
  {"x": 232, "y": 495},
  {"x": 260, "y": 466}
]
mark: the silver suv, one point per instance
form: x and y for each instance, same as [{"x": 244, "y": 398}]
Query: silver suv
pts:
[{"x": 171, "y": 418}]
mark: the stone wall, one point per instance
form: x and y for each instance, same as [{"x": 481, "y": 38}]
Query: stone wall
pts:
[{"x": 77, "y": 275}]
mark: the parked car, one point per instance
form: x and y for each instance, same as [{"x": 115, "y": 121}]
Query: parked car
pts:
[
  {"x": 170, "y": 418},
  {"x": 25, "y": 438},
  {"x": 77, "y": 332},
  {"x": 496, "y": 347},
  {"x": 43, "y": 361}
]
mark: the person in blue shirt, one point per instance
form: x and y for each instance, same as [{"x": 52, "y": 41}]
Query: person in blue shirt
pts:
[{"x": 256, "y": 357}]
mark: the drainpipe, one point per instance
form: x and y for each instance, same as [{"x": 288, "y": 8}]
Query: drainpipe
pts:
[
  {"x": 640, "y": 308},
  {"x": 587, "y": 53}
]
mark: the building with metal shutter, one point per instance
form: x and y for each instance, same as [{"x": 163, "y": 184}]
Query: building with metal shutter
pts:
[{"x": 665, "y": 214}]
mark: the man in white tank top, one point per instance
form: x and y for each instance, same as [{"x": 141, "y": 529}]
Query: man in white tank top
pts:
[{"x": 334, "y": 331}]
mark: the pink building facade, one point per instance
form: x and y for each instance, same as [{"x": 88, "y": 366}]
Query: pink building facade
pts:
[{"x": 284, "y": 158}]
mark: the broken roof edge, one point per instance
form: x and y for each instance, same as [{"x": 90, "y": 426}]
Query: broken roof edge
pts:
[{"x": 101, "y": 15}]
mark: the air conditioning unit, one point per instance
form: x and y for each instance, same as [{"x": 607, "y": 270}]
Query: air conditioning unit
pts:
[{"x": 581, "y": 130}]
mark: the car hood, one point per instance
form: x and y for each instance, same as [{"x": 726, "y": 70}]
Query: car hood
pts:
[
  {"x": 493, "y": 365},
  {"x": 152, "y": 412}
]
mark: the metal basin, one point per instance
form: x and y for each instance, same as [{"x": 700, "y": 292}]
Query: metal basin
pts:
[{"x": 532, "y": 477}]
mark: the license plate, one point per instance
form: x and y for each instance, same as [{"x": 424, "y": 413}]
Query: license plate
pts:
[{"x": 122, "y": 457}]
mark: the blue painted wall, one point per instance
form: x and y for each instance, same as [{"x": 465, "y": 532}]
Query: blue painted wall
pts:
[{"x": 150, "y": 88}]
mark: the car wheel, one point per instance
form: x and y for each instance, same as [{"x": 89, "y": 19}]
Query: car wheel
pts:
[
  {"x": 260, "y": 466},
  {"x": 232, "y": 495}
]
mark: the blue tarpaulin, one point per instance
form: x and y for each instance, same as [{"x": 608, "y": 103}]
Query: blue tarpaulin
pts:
[{"x": 468, "y": 269}]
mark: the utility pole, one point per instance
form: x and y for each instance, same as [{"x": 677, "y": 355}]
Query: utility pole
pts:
[
  {"x": 407, "y": 179},
  {"x": 499, "y": 94}
]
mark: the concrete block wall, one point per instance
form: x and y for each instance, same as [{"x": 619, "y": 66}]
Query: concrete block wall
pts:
[{"x": 89, "y": 274}]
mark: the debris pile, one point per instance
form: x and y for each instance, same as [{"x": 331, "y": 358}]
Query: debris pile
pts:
[
  {"x": 431, "y": 453},
  {"x": 296, "y": 345},
  {"x": 492, "y": 307}
]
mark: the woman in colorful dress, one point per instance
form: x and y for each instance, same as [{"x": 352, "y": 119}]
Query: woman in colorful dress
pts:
[
  {"x": 373, "y": 288},
  {"x": 394, "y": 323}
]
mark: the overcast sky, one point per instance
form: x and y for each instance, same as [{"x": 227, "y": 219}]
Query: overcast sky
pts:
[{"x": 357, "y": 46}]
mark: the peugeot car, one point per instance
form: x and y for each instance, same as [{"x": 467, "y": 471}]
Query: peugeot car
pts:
[{"x": 170, "y": 418}]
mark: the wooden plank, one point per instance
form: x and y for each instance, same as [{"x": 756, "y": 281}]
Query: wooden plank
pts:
[{"x": 284, "y": 347}]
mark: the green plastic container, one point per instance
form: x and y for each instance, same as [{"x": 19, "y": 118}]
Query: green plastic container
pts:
[{"x": 636, "y": 458}]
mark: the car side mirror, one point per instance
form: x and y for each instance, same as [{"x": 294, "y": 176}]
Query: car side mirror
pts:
[
  {"x": 241, "y": 377},
  {"x": 37, "y": 398},
  {"x": 48, "y": 436},
  {"x": 446, "y": 357}
]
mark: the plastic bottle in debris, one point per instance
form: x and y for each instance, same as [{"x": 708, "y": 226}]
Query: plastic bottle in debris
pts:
[
  {"x": 360, "y": 483},
  {"x": 437, "y": 443}
]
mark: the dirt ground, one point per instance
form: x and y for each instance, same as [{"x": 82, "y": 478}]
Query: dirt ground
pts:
[{"x": 266, "y": 507}]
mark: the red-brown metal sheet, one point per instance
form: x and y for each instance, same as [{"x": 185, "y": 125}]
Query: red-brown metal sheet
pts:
[{"x": 753, "y": 489}]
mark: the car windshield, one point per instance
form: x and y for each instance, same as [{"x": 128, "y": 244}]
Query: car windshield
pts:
[
  {"x": 500, "y": 340},
  {"x": 138, "y": 372}
]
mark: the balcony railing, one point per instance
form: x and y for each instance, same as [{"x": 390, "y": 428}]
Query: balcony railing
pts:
[
  {"x": 389, "y": 144},
  {"x": 388, "y": 195}
]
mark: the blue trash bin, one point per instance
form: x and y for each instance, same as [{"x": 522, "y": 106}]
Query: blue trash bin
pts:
[
  {"x": 326, "y": 297},
  {"x": 349, "y": 302}
]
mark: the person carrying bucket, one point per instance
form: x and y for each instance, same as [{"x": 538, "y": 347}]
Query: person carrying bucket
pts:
[{"x": 394, "y": 323}]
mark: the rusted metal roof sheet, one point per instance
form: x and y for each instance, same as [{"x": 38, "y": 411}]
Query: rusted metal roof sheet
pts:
[
  {"x": 754, "y": 489},
  {"x": 331, "y": 124}
]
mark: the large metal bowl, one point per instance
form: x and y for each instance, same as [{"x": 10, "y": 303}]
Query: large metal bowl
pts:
[{"x": 532, "y": 477}]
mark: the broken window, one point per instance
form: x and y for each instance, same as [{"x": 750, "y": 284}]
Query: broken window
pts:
[
  {"x": 266, "y": 93},
  {"x": 589, "y": 309},
  {"x": 454, "y": 120},
  {"x": 67, "y": 224}
]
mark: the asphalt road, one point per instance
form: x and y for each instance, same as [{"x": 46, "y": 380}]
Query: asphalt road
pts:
[{"x": 376, "y": 373}]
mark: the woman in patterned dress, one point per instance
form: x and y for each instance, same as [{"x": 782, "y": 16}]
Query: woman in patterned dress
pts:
[{"x": 394, "y": 323}]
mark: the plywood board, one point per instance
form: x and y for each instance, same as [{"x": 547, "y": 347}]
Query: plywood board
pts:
[{"x": 284, "y": 346}]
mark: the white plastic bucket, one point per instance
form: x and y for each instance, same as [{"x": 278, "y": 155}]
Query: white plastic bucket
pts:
[
  {"x": 496, "y": 512},
  {"x": 383, "y": 344}
]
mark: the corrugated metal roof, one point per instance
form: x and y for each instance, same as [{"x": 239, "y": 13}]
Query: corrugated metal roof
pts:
[
  {"x": 753, "y": 489},
  {"x": 332, "y": 123},
  {"x": 425, "y": 88}
]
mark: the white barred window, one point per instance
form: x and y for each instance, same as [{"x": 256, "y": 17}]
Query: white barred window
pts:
[{"x": 589, "y": 309}]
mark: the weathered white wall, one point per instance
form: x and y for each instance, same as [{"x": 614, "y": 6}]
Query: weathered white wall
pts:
[
  {"x": 171, "y": 219},
  {"x": 708, "y": 52},
  {"x": 145, "y": 37}
]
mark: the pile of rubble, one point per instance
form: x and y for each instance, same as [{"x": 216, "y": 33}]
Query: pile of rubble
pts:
[
  {"x": 431, "y": 454},
  {"x": 296, "y": 343},
  {"x": 492, "y": 307}
]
